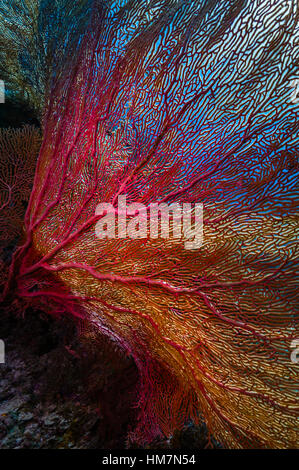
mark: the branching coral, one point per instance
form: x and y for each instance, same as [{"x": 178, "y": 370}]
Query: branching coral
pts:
[
  {"x": 18, "y": 154},
  {"x": 174, "y": 101},
  {"x": 34, "y": 36}
]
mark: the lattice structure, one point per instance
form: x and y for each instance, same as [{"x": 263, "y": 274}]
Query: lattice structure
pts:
[
  {"x": 18, "y": 154},
  {"x": 180, "y": 101},
  {"x": 34, "y": 36}
]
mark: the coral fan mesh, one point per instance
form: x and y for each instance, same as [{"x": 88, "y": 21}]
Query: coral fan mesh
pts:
[{"x": 175, "y": 101}]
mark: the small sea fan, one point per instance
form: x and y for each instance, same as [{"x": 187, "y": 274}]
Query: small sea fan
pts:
[
  {"x": 34, "y": 37},
  {"x": 18, "y": 154}
]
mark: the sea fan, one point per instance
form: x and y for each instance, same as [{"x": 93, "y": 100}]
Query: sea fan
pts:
[
  {"x": 186, "y": 102},
  {"x": 34, "y": 37},
  {"x": 18, "y": 154}
]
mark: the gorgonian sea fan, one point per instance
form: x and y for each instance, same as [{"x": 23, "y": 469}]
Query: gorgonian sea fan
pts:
[
  {"x": 18, "y": 152},
  {"x": 34, "y": 37},
  {"x": 179, "y": 101}
]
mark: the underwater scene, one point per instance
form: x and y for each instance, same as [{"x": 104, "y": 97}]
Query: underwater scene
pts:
[{"x": 148, "y": 225}]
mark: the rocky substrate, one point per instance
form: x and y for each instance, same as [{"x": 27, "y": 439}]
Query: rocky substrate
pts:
[{"x": 57, "y": 391}]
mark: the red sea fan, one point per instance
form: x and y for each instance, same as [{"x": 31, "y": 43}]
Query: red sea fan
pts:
[{"x": 187, "y": 102}]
